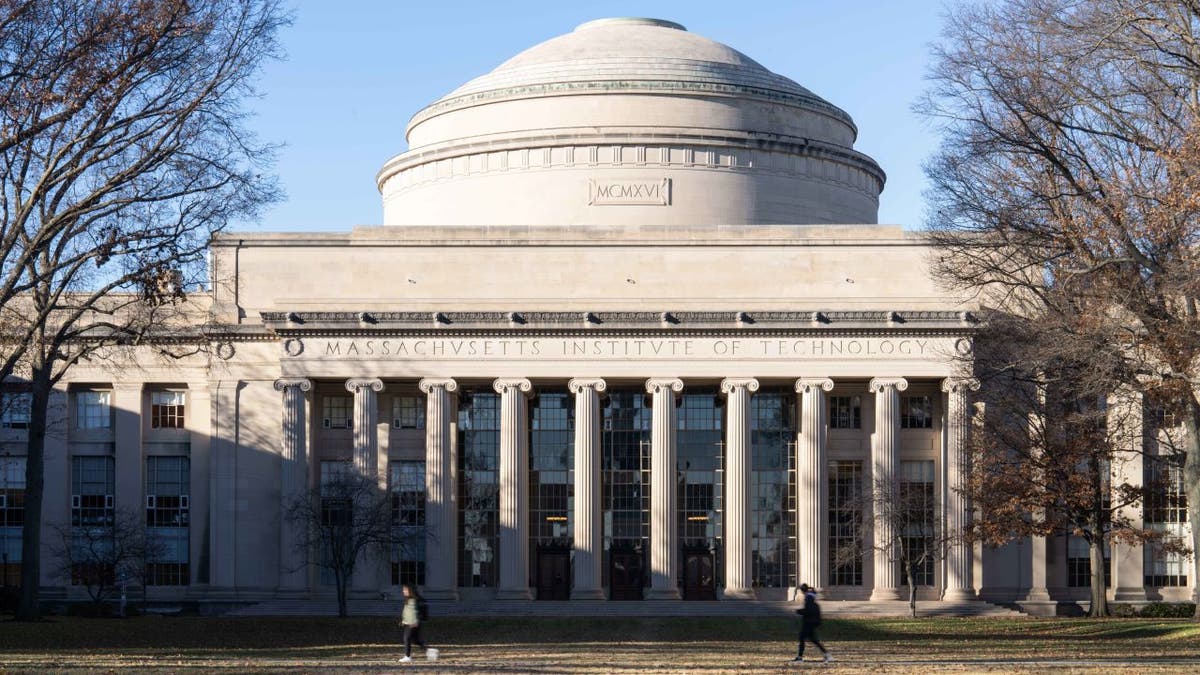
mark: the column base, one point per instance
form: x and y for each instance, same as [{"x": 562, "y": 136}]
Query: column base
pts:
[
  {"x": 663, "y": 594},
  {"x": 588, "y": 594},
  {"x": 1037, "y": 595},
  {"x": 738, "y": 594},
  {"x": 886, "y": 594},
  {"x": 1038, "y": 607},
  {"x": 959, "y": 595},
  {"x": 514, "y": 594},
  {"x": 1136, "y": 594},
  {"x": 440, "y": 594}
]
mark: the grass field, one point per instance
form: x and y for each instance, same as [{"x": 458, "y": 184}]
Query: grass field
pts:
[{"x": 692, "y": 645}]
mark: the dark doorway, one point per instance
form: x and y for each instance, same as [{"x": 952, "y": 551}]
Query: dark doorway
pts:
[
  {"x": 553, "y": 573},
  {"x": 699, "y": 580},
  {"x": 625, "y": 574}
]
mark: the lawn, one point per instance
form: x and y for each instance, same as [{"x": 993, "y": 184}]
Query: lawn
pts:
[{"x": 592, "y": 645}]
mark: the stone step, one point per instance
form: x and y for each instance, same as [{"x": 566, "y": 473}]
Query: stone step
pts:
[{"x": 601, "y": 608}]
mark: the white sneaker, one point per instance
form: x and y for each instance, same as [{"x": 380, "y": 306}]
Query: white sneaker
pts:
[{"x": 405, "y": 659}]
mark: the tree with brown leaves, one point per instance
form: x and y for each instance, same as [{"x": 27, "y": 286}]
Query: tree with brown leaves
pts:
[
  {"x": 123, "y": 150},
  {"x": 1067, "y": 191}
]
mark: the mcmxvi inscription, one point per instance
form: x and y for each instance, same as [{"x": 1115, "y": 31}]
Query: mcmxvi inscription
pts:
[{"x": 645, "y": 193}]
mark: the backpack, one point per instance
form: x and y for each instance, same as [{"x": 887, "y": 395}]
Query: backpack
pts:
[{"x": 422, "y": 609}]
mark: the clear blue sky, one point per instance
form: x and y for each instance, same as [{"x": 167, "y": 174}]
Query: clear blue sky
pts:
[{"x": 356, "y": 71}]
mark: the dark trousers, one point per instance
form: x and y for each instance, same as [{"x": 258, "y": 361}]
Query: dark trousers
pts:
[
  {"x": 808, "y": 632},
  {"x": 412, "y": 634}
]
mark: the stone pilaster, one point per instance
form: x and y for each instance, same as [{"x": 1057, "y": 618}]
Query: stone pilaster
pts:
[
  {"x": 366, "y": 416},
  {"x": 366, "y": 457},
  {"x": 127, "y": 440},
  {"x": 199, "y": 425},
  {"x": 960, "y": 566},
  {"x": 514, "y": 488},
  {"x": 226, "y": 407},
  {"x": 293, "y": 483},
  {"x": 664, "y": 547},
  {"x": 1125, "y": 424},
  {"x": 739, "y": 577},
  {"x": 441, "y": 516},
  {"x": 588, "y": 527},
  {"x": 885, "y": 454},
  {"x": 812, "y": 484}
]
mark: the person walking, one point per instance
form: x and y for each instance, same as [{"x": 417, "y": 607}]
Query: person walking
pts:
[
  {"x": 410, "y": 620},
  {"x": 810, "y": 618}
]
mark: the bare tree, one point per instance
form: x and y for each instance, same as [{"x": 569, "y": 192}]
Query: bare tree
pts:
[
  {"x": 1067, "y": 187},
  {"x": 105, "y": 557},
  {"x": 905, "y": 514},
  {"x": 122, "y": 151},
  {"x": 344, "y": 522}
]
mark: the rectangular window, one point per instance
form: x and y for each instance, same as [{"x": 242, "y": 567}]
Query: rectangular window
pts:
[
  {"x": 845, "y": 523},
  {"x": 12, "y": 518},
  {"x": 93, "y": 410},
  {"x": 845, "y": 412},
  {"x": 916, "y": 412},
  {"x": 338, "y": 411},
  {"x": 625, "y": 487},
  {"x": 1165, "y": 511},
  {"x": 551, "y": 475},
  {"x": 166, "y": 409},
  {"x": 92, "y": 518},
  {"x": 772, "y": 452},
  {"x": 408, "y": 412},
  {"x": 408, "y": 517},
  {"x": 167, "y": 520},
  {"x": 917, "y": 509},
  {"x": 1079, "y": 563},
  {"x": 14, "y": 413},
  {"x": 478, "y": 488},
  {"x": 336, "y": 511}
]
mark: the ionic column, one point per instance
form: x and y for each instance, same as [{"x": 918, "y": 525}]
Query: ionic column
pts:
[
  {"x": 885, "y": 452},
  {"x": 960, "y": 565},
  {"x": 293, "y": 481},
  {"x": 514, "y": 488},
  {"x": 812, "y": 485},
  {"x": 664, "y": 546},
  {"x": 1125, "y": 423},
  {"x": 588, "y": 528},
  {"x": 366, "y": 415},
  {"x": 739, "y": 578},
  {"x": 441, "y": 516}
]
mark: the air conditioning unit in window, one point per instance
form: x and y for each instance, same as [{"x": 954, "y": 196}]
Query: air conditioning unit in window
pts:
[
  {"x": 74, "y": 501},
  {"x": 396, "y": 423},
  {"x": 108, "y": 501},
  {"x": 3, "y": 501},
  {"x": 608, "y": 425},
  {"x": 183, "y": 501},
  {"x": 149, "y": 501},
  {"x": 325, "y": 423}
]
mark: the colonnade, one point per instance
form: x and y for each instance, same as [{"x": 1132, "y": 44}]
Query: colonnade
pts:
[{"x": 811, "y": 466}]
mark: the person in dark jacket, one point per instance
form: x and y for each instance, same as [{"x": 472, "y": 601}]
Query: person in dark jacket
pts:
[
  {"x": 810, "y": 618},
  {"x": 410, "y": 619}
]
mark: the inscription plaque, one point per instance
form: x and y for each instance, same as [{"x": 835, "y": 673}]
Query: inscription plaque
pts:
[{"x": 628, "y": 192}]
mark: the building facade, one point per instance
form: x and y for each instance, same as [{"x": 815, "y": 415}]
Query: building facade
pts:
[{"x": 629, "y": 331}]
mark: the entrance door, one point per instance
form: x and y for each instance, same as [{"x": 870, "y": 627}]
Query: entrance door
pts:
[
  {"x": 699, "y": 582},
  {"x": 553, "y": 574},
  {"x": 625, "y": 575}
]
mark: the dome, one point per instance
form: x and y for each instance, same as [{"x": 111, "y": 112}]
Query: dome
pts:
[{"x": 630, "y": 121}]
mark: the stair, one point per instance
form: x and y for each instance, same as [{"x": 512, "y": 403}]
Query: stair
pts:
[{"x": 602, "y": 608}]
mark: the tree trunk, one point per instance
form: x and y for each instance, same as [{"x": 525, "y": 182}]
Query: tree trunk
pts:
[
  {"x": 1191, "y": 488},
  {"x": 1099, "y": 587},
  {"x": 342, "y": 580},
  {"x": 912, "y": 592},
  {"x": 29, "y": 608}
]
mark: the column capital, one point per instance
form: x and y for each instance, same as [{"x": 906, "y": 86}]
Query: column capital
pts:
[
  {"x": 355, "y": 384},
  {"x": 428, "y": 384},
  {"x": 657, "y": 384},
  {"x": 805, "y": 385},
  {"x": 503, "y": 385},
  {"x": 579, "y": 383},
  {"x": 878, "y": 384},
  {"x": 960, "y": 385},
  {"x": 282, "y": 383},
  {"x": 730, "y": 383}
]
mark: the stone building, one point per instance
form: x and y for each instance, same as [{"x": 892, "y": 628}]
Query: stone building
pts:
[{"x": 629, "y": 330}]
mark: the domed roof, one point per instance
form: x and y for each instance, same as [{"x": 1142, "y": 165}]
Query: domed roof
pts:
[{"x": 634, "y": 53}]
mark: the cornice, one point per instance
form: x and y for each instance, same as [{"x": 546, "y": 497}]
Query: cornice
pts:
[{"x": 287, "y": 324}]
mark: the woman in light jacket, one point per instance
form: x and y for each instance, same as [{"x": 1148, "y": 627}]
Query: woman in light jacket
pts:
[{"x": 410, "y": 619}]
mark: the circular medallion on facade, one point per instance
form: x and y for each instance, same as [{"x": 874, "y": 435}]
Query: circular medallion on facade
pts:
[
  {"x": 225, "y": 350},
  {"x": 963, "y": 346},
  {"x": 293, "y": 346}
]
